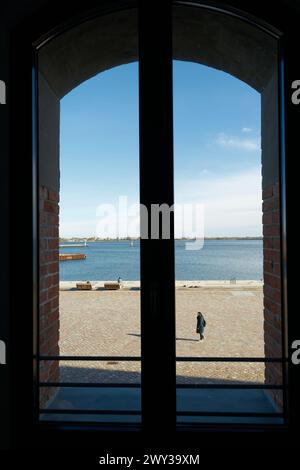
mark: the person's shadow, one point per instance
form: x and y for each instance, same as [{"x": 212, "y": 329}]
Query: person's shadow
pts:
[{"x": 186, "y": 339}]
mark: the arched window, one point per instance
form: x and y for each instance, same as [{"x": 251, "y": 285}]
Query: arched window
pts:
[{"x": 247, "y": 51}]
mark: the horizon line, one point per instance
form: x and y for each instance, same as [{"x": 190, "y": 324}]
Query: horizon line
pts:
[{"x": 221, "y": 237}]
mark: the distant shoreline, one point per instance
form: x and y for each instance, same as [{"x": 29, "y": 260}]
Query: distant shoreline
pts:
[
  {"x": 182, "y": 284},
  {"x": 92, "y": 240}
]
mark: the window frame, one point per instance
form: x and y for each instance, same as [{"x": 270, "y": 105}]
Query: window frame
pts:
[{"x": 155, "y": 253}]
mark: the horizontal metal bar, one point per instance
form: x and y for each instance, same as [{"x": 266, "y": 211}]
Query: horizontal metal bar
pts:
[
  {"x": 90, "y": 358},
  {"x": 179, "y": 386},
  {"x": 181, "y": 425},
  {"x": 232, "y": 386},
  {"x": 231, "y": 359},
  {"x": 89, "y": 412},
  {"x": 244, "y": 425},
  {"x": 179, "y": 413},
  {"x": 178, "y": 359},
  {"x": 88, "y": 385},
  {"x": 229, "y": 414}
]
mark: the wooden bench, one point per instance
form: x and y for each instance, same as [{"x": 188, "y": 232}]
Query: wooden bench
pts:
[
  {"x": 84, "y": 285},
  {"x": 111, "y": 285}
]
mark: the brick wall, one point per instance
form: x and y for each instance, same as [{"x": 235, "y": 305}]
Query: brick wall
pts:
[
  {"x": 272, "y": 287},
  {"x": 49, "y": 287}
]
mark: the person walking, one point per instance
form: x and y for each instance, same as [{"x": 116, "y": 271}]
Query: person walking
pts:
[{"x": 201, "y": 324}]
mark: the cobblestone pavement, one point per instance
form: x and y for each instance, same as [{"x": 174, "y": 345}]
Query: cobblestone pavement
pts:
[{"x": 108, "y": 323}]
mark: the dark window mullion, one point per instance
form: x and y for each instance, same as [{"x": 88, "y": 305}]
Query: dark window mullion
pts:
[{"x": 156, "y": 180}]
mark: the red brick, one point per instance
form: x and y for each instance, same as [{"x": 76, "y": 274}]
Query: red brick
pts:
[
  {"x": 274, "y": 294},
  {"x": 268, "y": 218},
  {"x": 53, "y": 244},
  {"x": 43, "y": 296},
  {"x": 50, "y": 207},
  {"x": 53, "y": 268},
  {"x": 268, "y": 205},
  {"x": 52, "y": 293},
  {"x": 272, "y": 280},
  {"x": 271, "y": 230},
  {"x": 53, "y": 195},
  {"x": 268, "y": 243},
  {"x": 43, "y": 219},
  {"x": 43, "y": 193},
  {"x": 276, "y": 189},
  {"x": 49, "y": 284},
  {"x": 272, "y": 306},
  {"x": 277, "y": 243},
  {"x": 43, "y": 270},
  {"x": 272, "y": 255},
  {"x": 268, "y": 192},
  {"x": 277, "y": 269},
  {"x": 273, "y": 319},
  {"x": 276, "y": 217},
  {"x": 55, "y": 280},
  {"x": 55, "y": 303}
]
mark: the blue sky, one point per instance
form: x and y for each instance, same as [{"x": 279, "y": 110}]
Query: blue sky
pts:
[{"x": 216, "y": 148}]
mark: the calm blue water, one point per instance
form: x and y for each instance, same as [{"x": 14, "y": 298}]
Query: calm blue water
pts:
[{"x": 219, "y": 259}]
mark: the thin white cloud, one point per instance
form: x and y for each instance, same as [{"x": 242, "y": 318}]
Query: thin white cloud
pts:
[
  {"x": 236, "y": 142},
  {"x": 247, "y": 129},
  {"x": 232, "y": 204}
]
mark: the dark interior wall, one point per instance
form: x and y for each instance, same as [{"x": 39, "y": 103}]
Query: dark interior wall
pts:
[
  {"x": 89, "y": 48},
  {"x": 21, "y": 23},
  {"x": 209, "y": 38},
  {"x": 49, "y": 119},
  {"x": 270, "y": 130},
  {"x": 4, "y": 237}
]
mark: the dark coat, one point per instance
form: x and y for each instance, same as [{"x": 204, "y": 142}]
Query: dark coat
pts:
[{"x": 201, "y": 324}]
